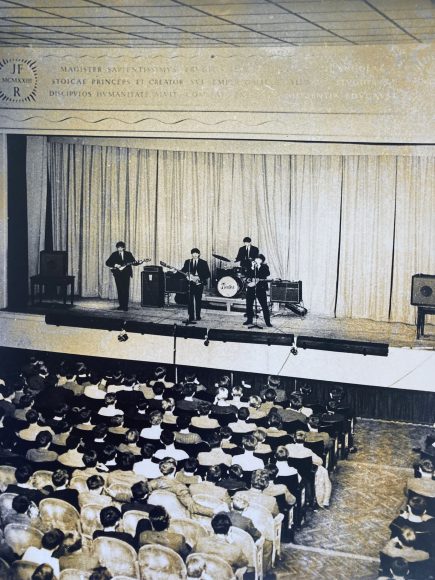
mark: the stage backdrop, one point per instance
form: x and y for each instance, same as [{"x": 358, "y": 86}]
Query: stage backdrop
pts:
[{"x": 353, "y": 228}]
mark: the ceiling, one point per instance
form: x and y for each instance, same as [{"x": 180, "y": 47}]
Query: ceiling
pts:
[{"x": 200, "y": 23}]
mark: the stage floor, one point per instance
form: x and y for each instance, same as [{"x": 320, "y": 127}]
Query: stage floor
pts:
[{"x": 283, "y": 320}]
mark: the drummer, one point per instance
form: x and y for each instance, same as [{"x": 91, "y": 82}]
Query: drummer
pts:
[{"x": 246, "y": 254}]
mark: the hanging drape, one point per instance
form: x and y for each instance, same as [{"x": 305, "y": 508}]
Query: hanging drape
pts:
[
  {"x": 353, "y": 228},
  {"x": 36, "y": 178}
]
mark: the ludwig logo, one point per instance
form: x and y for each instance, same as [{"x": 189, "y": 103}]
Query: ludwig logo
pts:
[{"x": 18, "y": 80}]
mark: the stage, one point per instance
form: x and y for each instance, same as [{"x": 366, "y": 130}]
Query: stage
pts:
[{"x": 216, "y": 316}]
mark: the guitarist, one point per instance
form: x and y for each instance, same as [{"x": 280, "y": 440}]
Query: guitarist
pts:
[
  {"x": 256, "y": 288},
  {"x": 121, "y": 262},
  {"x": 198, "y": 273}
]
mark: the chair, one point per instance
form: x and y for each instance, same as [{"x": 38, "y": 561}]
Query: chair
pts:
[
  {"x": 269, "y": 526},
  {"x": 87, "y": 498},
  {"x": 41, "y": 478},
  {"x": 78, "y": 482},
  {"x": 252, "y": 550},
  {"x": 22, "y": 569},
  {"x": 56, "y": 513},
  {"x": 190, "y": 529},
  {"x": 208, "y": 501},
  {"x": 119, "y": 492},
  {"x": 130, "y": 520},
  {"x": 215, "y": 567},
  {"x": 118, "y": 556},
  {"x": 160, "y": 562},
  {"x": 90, "y": 519},
  {"x": 7, "y": 476},
  {"x": 169, "y": 501},
  {"x": 20, "y": 537},
  {"x": 73, "y": 574},
  {"x": 6, "y": 503}
]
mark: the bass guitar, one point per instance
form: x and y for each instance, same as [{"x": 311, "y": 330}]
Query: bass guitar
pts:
[
  {"x": 193, "y": 278},
  {"x": 121, "y": 267}
]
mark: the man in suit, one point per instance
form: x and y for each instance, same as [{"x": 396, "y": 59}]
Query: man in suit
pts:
[
  {"x": 121, "y": 262},
  {"x": 199, "y": 273},
  {"x": 256, "y": 288},
  {"x": 246, "y": 254}
]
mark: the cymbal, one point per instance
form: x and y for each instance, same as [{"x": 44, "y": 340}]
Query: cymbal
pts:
[{"x": 222, "y": 258}]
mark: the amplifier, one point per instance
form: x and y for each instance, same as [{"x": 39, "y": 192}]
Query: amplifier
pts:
[
  {"x": 152, "y": 286},
  {"x": 175, "y": 283},
  {"x": 286, "y": 291},
  {"x": 423, "y": 290}
]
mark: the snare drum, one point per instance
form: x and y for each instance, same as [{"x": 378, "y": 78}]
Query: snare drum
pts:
[{"x": 229, "y": 286}]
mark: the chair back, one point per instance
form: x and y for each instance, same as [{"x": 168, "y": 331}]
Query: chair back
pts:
[
  {"x": 57, "y": 513},
  {"x": 119, "y": 491},
  {"x": 304, "y": 465},
  {"x": 118, "y": 556},
  {"x": 160, "y": 562},
  {"x": 78, "y": 482},
  {"x": 215, "y": 567},
  {"x": 6, "y": 503},
  {"x": 210, "y": 501},
  {"x": 20, "y": 537},
  {"x": 190, "y": 529},
  {"x": 90, "y": 519},
  {"x": 130, "y": 520},
  {"x": 269, "y": 526},
  {"x": 73, "y": 574},
  {"x": 7, "y": 476},
  {"x": 22, "y": 569},
  {"x": 169, "y": 501},
  {"x": 317, "y": 447},
  {"x": 252, "y": 550},
  {"x": 41, "y": 478},
  {"x": 88, "y": 497}
]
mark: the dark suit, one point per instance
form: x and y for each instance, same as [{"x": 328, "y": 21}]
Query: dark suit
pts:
[
  {"x": 122, "y": 277},
  {"x": 195, "y": 290},
  {"x": 245, "y": 258},
  {"x": 261, "y": 274}
]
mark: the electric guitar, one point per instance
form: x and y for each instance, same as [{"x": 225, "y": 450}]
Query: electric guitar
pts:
[
  {"x": 191, "y": 277},
  {"x": 121, "y": 267}
]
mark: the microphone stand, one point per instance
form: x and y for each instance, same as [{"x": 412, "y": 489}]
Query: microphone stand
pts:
[{"x": 255, "y": 325}]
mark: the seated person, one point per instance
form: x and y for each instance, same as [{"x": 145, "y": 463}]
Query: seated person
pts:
[
  {"x": 275, "y": 434},
  {"x": 210, "y": 485},
  {"x": 274, "y": 383},
  {"x": 416, "y": 518},
  {"x": 146, "y": 466},
  {"x": 222, "y": 410},
  {"x": 95, "y": 485},
  {"x": 188, "y": 474},
  {"x": 109, "y": 409},
  {"x": 241, "y": 426},
  {"x": 153, "y": 432},
  {"x": 160, "y": 375},
  {"x": 247, "y": 460},
  {"x": 203, "y": 422},
  {"x": 216, "y": 455},
  {"x": 24, "y": 511},
  {"x": 60, "y": 481},
  {"x": 236, "y": 397},
  {"x": 24, "y": 485},
  {"x": 167, "y": 439},
  {"x": 41, "y": 453},
  {"x": 130, "y": 443},
  {"x": 160, "y": 534},
  {"x": 238, "y": 506},
  {"x": 156, "y": 401},
  {"x": 403, "y": 546},
  {"x": 278, "y": 490},
  {"x": 50, "y": 542},
  {"x": 399, "y": 569},
  {"x": 221, "y": 544},
  {"x": 34, "y": 427},
  {"x": 227, "y": 445},
  {"x": 110, "y": 518},
  {"x": 313, "y": 435},
  {"x": 139, "y": 496},
  {"x": 117, "y": 429},
  {"x": 233, "y": 479},
  {"x": 75, "y": 556},
  {"x": 296, "y": 402},
  {"x": 189, "y": 404},
  {"x": 168, "y": 482},
  {"x": 74, "y": 456},
  {"x": 182, "y": 435},
  {"x": 256, "y": 414},
  {"x": 281, "y": 462},
  {"x": 169, "y": 419},
  {"x": 255, "y": 495}
]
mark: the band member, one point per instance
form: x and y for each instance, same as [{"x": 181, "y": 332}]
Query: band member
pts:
[
  {"x": 121, "y": 262},
  {"x": 256, "y": 288},
  {"x": 199, "y": 273},
  {"x": 246, "y": 254}
]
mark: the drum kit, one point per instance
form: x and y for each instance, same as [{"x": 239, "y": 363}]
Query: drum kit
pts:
[{"x": 231, "y": 281}]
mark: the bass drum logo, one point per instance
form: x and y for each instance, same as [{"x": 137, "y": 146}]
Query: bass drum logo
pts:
[{"x": 18, "y": 80}]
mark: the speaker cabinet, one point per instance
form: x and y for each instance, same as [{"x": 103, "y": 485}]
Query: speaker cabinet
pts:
[
  {"x": 423, "y": 290},
  {"x": 175, "y": 283},
  {"x": 53, "y": 263},
  {"x": 153, "y": 286},
  {"x": 286, "y": 291}
]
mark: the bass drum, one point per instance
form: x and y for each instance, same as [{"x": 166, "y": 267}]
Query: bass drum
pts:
[{"x": 229, "y": 286}]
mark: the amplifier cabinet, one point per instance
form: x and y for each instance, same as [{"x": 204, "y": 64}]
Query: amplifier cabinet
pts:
[
  {"x": 175, "y": 283},
  {"x": 286, "y": 291},
  {"x": 423, "y": 290},
  {"x": 152, "y": 286}
]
